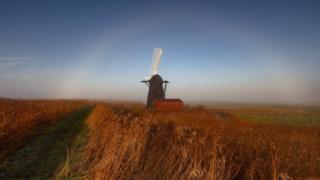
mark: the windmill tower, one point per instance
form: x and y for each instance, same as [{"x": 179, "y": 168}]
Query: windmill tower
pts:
[{"x": 154, "y": 81}]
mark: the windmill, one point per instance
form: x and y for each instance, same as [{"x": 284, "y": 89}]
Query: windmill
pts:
[{"x": 156, "y": 94}]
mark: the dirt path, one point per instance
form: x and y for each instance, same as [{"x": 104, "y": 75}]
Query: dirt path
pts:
[{"x": 42, "y": 157}]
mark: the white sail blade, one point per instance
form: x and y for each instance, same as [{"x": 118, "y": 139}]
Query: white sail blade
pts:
[
  {"x": 157, "y": 52},
  {"x": 156, "y": 60}
]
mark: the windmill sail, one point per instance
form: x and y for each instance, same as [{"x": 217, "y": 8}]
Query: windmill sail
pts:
[
  {"x": 156, "y": 60},
  {"x": 157, "y": 52}
]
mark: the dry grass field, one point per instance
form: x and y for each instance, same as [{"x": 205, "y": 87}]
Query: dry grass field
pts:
[
  {"x": 125, "y": 141},
  {"x": 194, "y": 144},
  {"x": 20, "y": 118},
  {"x": 294, "y": 115}
]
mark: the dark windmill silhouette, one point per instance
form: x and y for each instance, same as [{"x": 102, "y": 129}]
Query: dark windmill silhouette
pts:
[
  {"x": 155, "y": 82},
  {"x": 157, "y": 88}
]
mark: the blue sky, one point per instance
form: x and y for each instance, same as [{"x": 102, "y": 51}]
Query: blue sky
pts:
[{"x": 217, "y": 51}]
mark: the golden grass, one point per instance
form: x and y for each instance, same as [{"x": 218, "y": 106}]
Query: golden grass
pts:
[
  {"x": 19, "y": 118},
  {"x": 131, "y": 143},
  {"x": 125, "y": 141}
]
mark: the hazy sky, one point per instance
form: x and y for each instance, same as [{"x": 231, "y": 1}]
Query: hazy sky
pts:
[{"x": 226, "y": 51}]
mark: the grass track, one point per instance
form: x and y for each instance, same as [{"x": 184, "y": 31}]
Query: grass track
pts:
[{"x": 42, "y": 157}]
